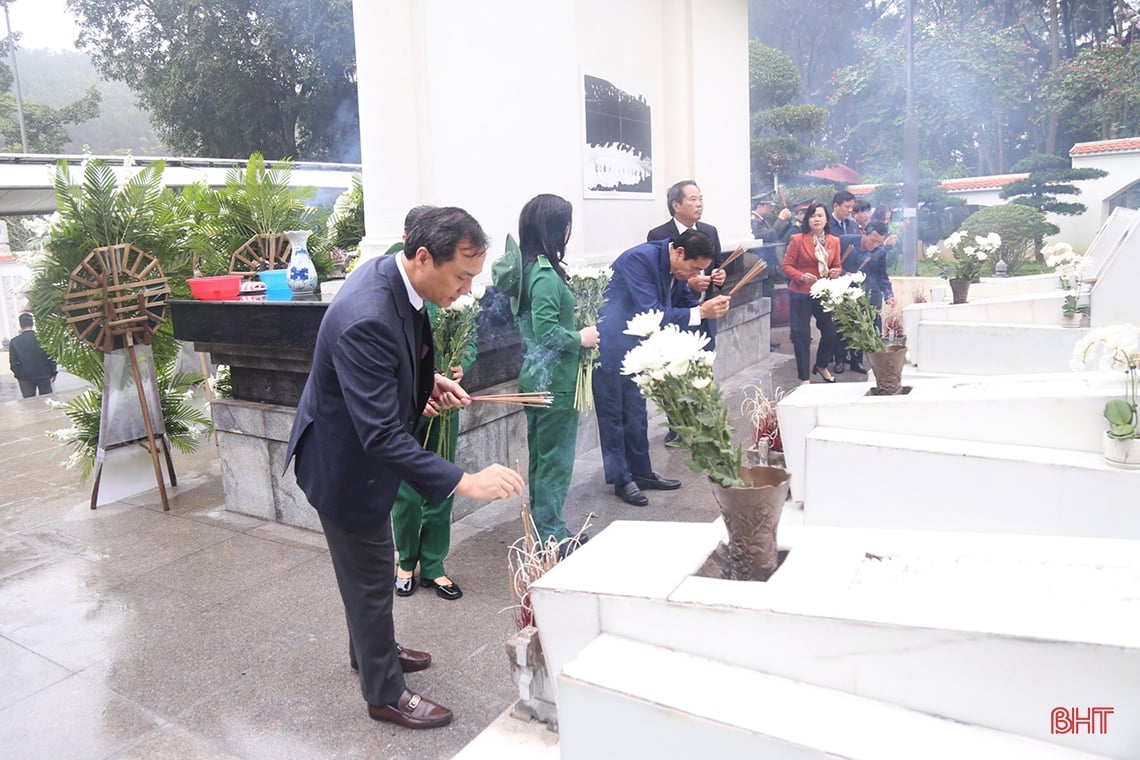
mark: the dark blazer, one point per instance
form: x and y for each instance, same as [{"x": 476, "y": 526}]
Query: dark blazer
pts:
[
  {"x": 641, "y": 281},
  {"x": 27, "y": 359},
  {"x": 352, "y": 437},
  {"x": 668, "y": 231}
]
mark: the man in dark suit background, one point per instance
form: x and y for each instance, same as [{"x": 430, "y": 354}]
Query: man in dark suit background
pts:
[
  {"x": 31, "y": 366},
  {"x": 372, "y": 374},
  {"x": 686, "y": 206},
  {"x": 644, "y": 278}
]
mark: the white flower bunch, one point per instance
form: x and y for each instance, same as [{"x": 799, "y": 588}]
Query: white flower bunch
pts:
[
  {"x": 644, "y": 324},
  {"x": 669, "y": 352},
  {"x": 588, "y": 273},
  {"x": 465, "y": 301},
  {"x": 1066, "y": 263},
  {"x": 839, "y": 289},
  {"x": 478, "y": 290},
  {"x": 968, "y": 255},
  {"x": 672, "y": 367},
  {"x": 1119, "y": 346}
]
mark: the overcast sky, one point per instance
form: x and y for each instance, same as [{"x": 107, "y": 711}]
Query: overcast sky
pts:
[{"x": 43, "y": 24}]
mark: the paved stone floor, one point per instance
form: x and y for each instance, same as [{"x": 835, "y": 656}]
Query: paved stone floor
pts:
[{"x": 127, "y": 632}]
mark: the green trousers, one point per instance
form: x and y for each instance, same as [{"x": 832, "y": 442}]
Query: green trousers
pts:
[
  {"x": 551, "y": 435},
  {"x": 422, "y": 531}
]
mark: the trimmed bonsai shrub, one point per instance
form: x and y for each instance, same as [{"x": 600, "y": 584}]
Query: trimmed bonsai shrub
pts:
[{"x": 1019, "y": 227}]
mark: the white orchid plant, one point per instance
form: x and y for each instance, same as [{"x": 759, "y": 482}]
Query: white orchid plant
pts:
[
  {"x": 969, "y": 256},
  {"x": 588, "y": 286},
  {"x": 1119, "y": 347},
  {"x": 672, "y": 367},
  {"x": 1071, "y": 269}
]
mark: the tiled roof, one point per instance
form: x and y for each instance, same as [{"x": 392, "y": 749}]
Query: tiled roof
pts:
[
  {"x": 991, "y": 182},
  {"x": 1106, "y": 146}
]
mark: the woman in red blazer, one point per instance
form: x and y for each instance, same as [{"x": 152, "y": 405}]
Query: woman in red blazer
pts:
[{"x": 811, "y": 255}]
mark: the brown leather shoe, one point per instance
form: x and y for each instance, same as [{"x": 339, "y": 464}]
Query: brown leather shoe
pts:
[
  {"x": 412, "y": 711},
  {"x": 411, "y": 660}
]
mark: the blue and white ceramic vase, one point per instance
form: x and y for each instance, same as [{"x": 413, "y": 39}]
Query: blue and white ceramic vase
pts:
[{"x": 302, "y": 275}]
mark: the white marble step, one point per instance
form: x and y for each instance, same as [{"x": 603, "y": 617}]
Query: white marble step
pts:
[
  {"x": 866, "y": 479},
  {"x": 622, "y": 698}
]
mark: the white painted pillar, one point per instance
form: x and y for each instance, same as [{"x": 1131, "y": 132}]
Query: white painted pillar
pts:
[{"x": 388, "y": 69}]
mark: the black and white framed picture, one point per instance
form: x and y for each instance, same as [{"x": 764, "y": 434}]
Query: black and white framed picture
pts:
[{"x": 619, "y": 141}]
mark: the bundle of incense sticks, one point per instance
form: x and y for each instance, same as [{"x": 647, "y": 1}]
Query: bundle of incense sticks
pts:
[
  {"x": 783, "y": 198},
  {"x": 536, "y": 399},
  {"x": 756, "y": 269},
  {"x": 732, "y": 257},
  {"x": 846, "y": 253}
]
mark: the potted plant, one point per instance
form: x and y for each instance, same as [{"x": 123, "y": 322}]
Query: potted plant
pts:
[
  {"x": 1119, "y": 352},
  {"x": 968, "y": 257},
  {"x": 850, "y": 307},
  {"x": 1071, "y": 270},
  {"x": 671, "y": 367}
]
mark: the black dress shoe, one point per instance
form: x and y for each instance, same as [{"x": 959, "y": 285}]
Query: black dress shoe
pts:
[
  {"x": 450, "y": 592},
  {"x": 840, "y": 368},
  {"x": 411, "y": 660},
  {"x": 654, "y": 482},
  {"x": 405, "y": 586},
  {"x": 412, "y": 711},
  {"x": 857, "y": 367},
  {"x": 631, "y": 494},
  {"x": 672, "y": 437}
]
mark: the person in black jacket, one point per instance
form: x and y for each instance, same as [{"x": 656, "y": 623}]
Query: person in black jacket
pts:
[{"x": 31, "y": 365}]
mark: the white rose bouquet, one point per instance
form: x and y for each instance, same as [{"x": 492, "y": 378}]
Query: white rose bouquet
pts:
[
  {"x": 588, "y": 286},
  {"x": 671, "y": 367}
]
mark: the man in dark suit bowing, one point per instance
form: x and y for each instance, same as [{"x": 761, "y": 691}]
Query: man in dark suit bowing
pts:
[
  {"x": 686, "y": 205},
  {"x": 372, "y": 374},
  {"x": 644, "y": 279}
]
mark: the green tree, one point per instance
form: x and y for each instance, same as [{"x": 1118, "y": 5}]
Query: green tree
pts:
[
  {"x": 234, "y": 77},
  {"x": 1097, "y": 93},
  {"x": 1019, "y": 227},
  {"x": 44, "y": 126},
  {"x": 782, "y": 131}
]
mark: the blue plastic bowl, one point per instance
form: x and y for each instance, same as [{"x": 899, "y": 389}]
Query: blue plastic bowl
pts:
[{"x": 275, "y": 281}]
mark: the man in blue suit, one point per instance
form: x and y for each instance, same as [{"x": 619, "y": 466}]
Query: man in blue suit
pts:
[
  {"x": 372, "y": 375},
  {"x": 644, "y": 279}
]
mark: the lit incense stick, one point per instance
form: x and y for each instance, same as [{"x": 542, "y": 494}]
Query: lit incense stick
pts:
[{"x": 756, "y": 269}]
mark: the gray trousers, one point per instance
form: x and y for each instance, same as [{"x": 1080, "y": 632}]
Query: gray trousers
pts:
[{"x": 365, "y": 567}]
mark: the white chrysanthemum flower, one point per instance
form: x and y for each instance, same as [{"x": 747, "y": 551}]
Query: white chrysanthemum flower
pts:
[
  {"x": 478, "y": 290},
  {"x": 980, "y": 255},
  {"x": 463, "y": 302},
  {"x": 645, "y": 323},
  {"x": 700, "y": 383}
]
